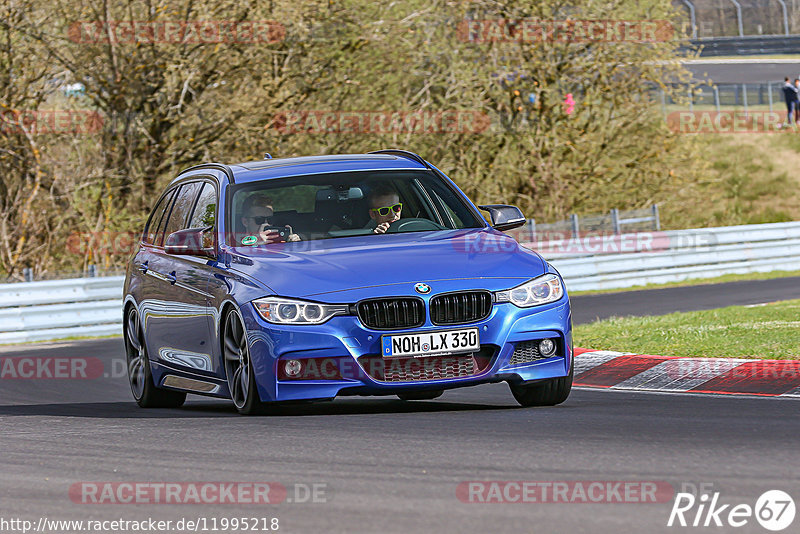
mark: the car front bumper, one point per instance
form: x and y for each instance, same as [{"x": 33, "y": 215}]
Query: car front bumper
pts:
[
  {"x": 337, "y": 345},
  {"x": 338, "y": 349}
]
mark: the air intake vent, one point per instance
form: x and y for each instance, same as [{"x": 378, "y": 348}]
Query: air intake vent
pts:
[
  {"x": 429, "y": 367},
  {"x": 526, "y": 352},
  {"x": 391, "y": 313},
  {"x": 458, "y": 308}
]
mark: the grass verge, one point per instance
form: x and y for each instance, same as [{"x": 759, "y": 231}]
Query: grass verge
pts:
[
  {"x": 746, "y": 179},
  {"x": 765, "y": 331}
]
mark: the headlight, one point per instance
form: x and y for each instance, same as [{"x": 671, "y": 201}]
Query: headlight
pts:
[
  {"x": 288, "y": 311},
  {"x": 541, "y": 290}
]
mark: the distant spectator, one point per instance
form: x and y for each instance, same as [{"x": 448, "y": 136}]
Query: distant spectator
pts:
[
  {"x": 569, "y": 104},
  {"x": 790, "y": 96},
  {"x": 797, "y": 100}
]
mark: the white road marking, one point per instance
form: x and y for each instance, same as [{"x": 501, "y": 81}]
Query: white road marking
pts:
[
  {"x": 590, "y": 360},
  {"x": 680, "y": 374}
]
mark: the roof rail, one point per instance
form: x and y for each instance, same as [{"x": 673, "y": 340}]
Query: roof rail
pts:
[
  {"x": 402, "y": 153},
  {"x": 219, "y": 166}
]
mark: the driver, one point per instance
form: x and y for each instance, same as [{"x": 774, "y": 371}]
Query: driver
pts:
[
  {"x": 384, "y": 208},
  {"x": 256, "y": 212}
]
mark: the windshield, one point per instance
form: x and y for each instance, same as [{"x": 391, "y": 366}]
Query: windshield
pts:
[{"x": 325, "y": 206}]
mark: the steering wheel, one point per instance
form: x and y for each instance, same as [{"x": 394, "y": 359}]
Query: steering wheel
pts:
[{"x": 413, "y": 224}]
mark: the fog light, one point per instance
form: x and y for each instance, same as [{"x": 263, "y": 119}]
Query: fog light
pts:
[
  {"x": 547, "y": 347},
  {"x": 293, "y": 367}
]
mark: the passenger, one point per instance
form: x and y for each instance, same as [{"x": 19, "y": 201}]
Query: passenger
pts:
[
  {"x": 384, "y": 208},
  {"x": 256, "y": 212}
]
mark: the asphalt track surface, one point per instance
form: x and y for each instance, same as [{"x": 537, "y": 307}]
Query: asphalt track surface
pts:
[
  {"x": 587, "y": 308},
  {"x": 744, "y": 71},
  {"x": 394, "y": 466}
]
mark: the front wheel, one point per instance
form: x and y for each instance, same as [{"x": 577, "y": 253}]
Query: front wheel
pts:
[
  {"x": 145, "y": 392},
  {"x": 547, "y": 393},
  {"x": 239, "y": 367}
]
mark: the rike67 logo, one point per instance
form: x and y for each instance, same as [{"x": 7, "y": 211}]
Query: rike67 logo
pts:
[{"x": 774, "y": 510}]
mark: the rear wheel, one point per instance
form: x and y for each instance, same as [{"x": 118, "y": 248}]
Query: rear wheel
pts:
[
  {"x": 547, "y": 393},
  {"x": 239, "y": 367},
  {"x": 145, "y": 392},
  {"x": 420, "y": 395}
]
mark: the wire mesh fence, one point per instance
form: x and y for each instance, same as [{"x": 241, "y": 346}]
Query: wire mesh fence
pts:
[
  {"x": 726, "y": 18},
  {"x": 763, "y": 96},
  {"x": 615, "y": 222}
]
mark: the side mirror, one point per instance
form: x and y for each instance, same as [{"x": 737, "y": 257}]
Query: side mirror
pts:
[
  {"x": 505, "y": 217},
  {"x": 191, "y": 242}
]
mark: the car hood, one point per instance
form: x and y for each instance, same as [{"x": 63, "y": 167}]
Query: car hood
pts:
[{"x": 349, "y": 268}]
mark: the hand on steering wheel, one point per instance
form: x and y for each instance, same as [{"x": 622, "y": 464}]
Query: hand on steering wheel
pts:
[
  {"x": 413, "y": 224},
  {"x": 383, "y": 227}
]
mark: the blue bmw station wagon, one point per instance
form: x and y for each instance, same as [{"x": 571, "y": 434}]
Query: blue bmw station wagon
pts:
[{"x": 309, "y": 278}]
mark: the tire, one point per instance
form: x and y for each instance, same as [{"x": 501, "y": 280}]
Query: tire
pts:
[
  {"x": 239, "y": 367},
  {"x": 420, "y": 395},
  {"x": 144, "y": 391},
  {"x": 547, "y": 393}
]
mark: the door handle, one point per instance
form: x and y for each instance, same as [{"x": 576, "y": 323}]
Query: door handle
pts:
[
  {"x": 171, "y": 278},
  {"x": 143, "y": 267}
]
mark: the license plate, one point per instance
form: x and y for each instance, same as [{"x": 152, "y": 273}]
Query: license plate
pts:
[{"x": 431, "y": 343}]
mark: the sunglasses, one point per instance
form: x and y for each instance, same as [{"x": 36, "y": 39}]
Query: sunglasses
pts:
[
  {"x": 260, "y": 219},
  {"x": 384, "y": 211}
]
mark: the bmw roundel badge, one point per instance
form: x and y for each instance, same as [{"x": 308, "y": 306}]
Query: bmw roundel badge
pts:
[{"x": 422, "y": 288}]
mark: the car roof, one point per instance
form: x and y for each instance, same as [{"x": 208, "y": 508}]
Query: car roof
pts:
[{"x": 283, "y": 167}]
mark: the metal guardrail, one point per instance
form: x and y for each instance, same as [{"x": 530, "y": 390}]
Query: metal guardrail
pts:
[
  {"x": 748, "y": 45},
  {"x": 684, "y": 254},
  {"x": 58, "y": 309}
]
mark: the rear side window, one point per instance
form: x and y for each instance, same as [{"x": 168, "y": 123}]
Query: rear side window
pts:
[
  {"x": 181, "y": 207},
  {"x": 205, "y": 211},
  {"x": 151, "y": 234}
]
